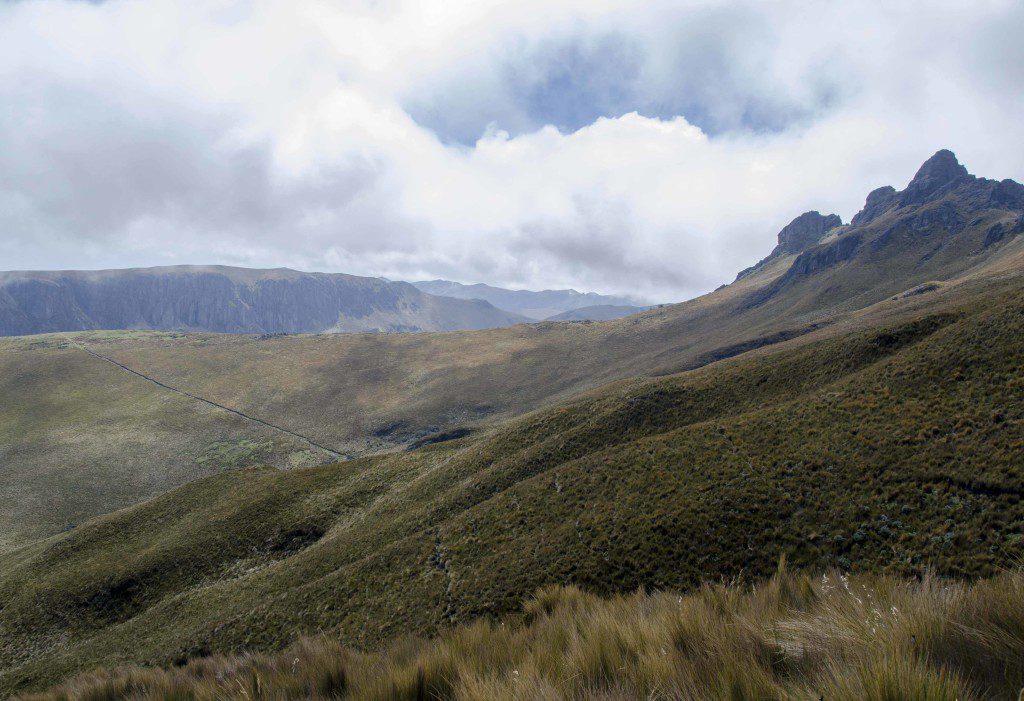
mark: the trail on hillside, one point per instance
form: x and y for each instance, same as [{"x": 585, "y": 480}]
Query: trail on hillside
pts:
[{"x": 236, "y": 412}]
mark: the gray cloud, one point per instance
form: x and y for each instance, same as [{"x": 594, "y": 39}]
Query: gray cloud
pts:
[{"x": 648, "y": 149}]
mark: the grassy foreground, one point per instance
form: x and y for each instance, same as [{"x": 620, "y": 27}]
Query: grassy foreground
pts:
[{"x": 793, "y": 637}]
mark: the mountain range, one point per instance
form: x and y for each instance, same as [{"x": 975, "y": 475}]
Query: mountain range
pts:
[
  {"x": 853, "y": 402},
  {"x": 225, "y": 299},
  {"x": 538, "y": 305},
  {"x": 229, "y": 300}
]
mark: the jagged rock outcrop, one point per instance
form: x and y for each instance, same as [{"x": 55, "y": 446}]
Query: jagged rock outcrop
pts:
[
  {"x": 940, "y": 171},
  {"x": 805, "y": 231},
  {"x": 231, "y": 300},
  {"x": 878, "y": 201},
  {"x": 943, "y": 218},
  {"x": 797, "y": 236}
]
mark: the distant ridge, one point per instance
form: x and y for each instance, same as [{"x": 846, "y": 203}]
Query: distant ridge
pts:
[
  {"x": 598, "y": 312},
  {"x": 537, "y": 305},
  {"x": 229, "y": 300}
]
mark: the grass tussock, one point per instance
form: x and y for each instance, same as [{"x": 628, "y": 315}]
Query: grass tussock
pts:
[{"x": 792, "y": 637}]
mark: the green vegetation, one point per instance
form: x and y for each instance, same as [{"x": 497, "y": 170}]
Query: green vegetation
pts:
[
  {"x": 855, "y": 638},
  {"x": 226, "y": 455},
  {"x": 890, "y": 449},
  {"x": 80, "y": 437}
]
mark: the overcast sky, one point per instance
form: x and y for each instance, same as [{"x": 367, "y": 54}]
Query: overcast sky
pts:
[{"x": 649, "y": 148}]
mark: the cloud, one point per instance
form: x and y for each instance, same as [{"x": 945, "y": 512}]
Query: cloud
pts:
[{"x": 649, "y": 149}]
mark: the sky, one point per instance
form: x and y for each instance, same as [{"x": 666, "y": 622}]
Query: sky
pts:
[{"x": 650, "y": 148}]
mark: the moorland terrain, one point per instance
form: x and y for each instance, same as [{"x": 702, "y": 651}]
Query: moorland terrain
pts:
[{"x": 852, "y": 403}]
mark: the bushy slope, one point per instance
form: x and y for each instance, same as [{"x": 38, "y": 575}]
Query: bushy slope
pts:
[
  {"x": 891, "y": 445},
  {"x": 794, "y": 637}
]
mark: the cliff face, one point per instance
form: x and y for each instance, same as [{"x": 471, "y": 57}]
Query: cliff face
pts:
[{"x": 231, "y": 300}]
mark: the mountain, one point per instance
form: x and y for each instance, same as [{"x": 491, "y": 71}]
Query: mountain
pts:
[
  {"x": 535, "y": 305},
  {"x": 598, "y": 312},
  {"x": 944, "y": 222},
  {"x": 854, "y": 402},
  {"x": 228, "y": 300},
  {"x": 195, "y": 404}
]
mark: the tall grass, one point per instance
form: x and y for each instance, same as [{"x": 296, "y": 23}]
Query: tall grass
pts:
[{"x": 792, "y": 637}]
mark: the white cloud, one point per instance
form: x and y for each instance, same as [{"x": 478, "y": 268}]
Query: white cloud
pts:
[{"x": 299, "y": 133}]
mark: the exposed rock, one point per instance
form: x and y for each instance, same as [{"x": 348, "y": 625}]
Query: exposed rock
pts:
[
  {"x": 925, "y": 228},
  {"x": 805, "y": 231},
  {"x": 1009, "y": 194},
  {"x": 934, "y": 175},
  {"x": 797, "y": 236},
  {"x": 1001, "y": 231},
  {"x": 994, "y": 235},
  {"x": 825, "y": 256},
  {"x": 878, "y": 202},
  {"x": 945, "y": 216}
]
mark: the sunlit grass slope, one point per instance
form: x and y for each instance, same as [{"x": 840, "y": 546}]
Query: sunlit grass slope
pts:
[{"x": 893, "y": 448}]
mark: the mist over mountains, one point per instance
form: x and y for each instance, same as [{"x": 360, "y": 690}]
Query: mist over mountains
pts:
[
  {"x": 536, "y": 305},
  {"x": 226, "y": 299},
  {"x": 229, "y": 300}
]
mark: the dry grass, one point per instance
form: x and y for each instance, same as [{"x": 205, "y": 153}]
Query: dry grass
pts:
[{"x": 792, "y": 637}]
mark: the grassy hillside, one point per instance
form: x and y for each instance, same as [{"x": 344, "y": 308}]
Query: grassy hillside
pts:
[
  {"x": 793, "y": 637},
  {"x": 80, "y": 436},
  {"x": 888, "y": 442},
  {"x": 354, "y": 394}
]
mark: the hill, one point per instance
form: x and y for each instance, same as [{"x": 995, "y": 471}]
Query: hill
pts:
[
  {"x": 229, "y": 300},
  {"x": 888, "y": 442},
  {"x": 536, "y": 305},
  {"x": 81, "y": 435},
  {"x": 599, "y": 312}
]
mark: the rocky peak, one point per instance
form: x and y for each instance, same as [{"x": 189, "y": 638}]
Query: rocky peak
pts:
[
  {"x": 797, "y": 236},
  {"x": 805, "y": 231},
  {"x": 877, "y": 202},
  {"x": 938, "y": 171}
]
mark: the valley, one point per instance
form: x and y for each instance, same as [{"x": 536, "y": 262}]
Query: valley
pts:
[{"x": 850, "y": 404}]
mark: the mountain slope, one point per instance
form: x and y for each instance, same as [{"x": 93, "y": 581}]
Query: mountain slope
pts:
[
  {"x": 890, "y": 442},
  {"x": 536, "y": 305},
  {"x": 225, "y": 299},
  {"x": 361, "y": 393},
  {"x": 599, "y": 312}
]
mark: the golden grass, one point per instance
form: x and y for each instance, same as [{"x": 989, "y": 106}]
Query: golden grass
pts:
[{"x": 792, "y": 637}]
